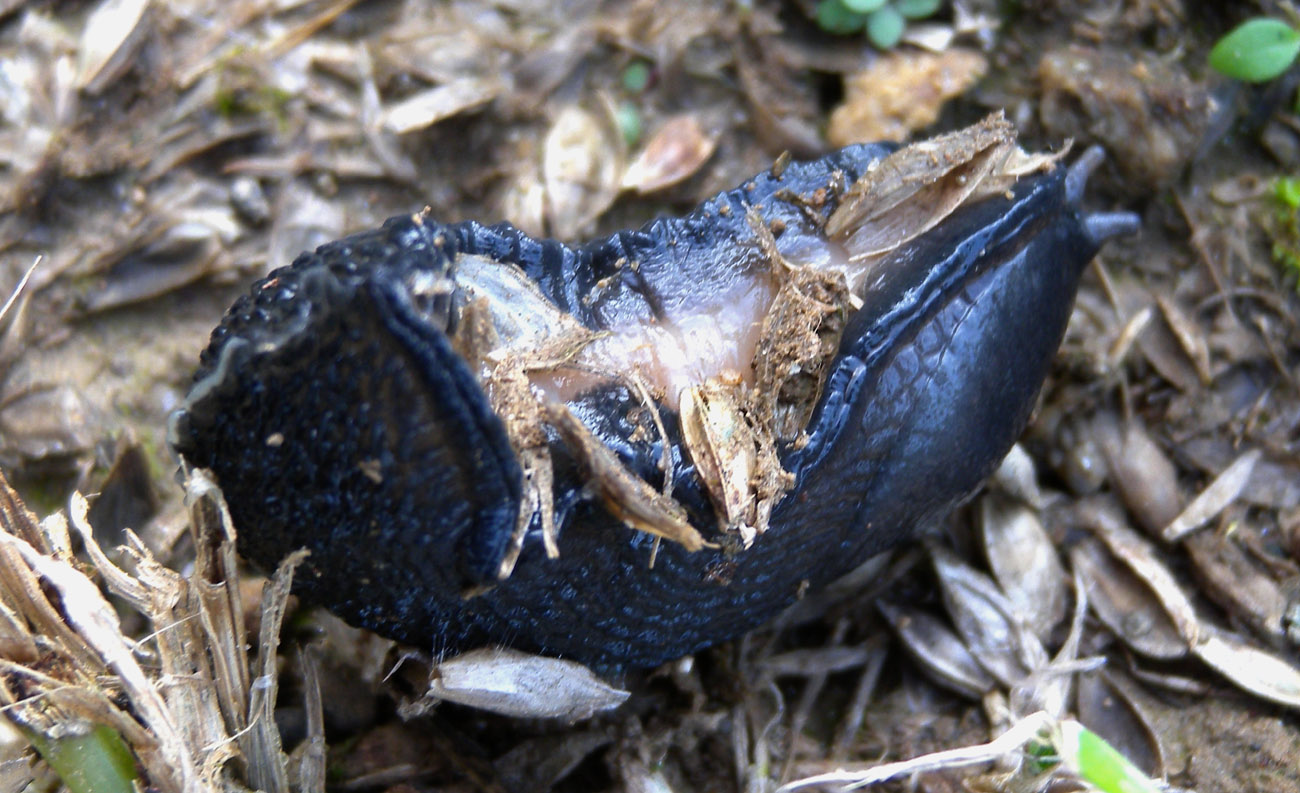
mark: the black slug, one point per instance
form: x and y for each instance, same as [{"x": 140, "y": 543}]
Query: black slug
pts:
[{"x": 461, "y": 423}]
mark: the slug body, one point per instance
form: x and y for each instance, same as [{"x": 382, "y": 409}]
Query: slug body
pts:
[{"x": 339, "y": 414}]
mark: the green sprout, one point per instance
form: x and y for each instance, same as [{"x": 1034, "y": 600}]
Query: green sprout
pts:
[
  {"x": 96, "y": 761},
  {"x": 628, "y": 119},
  {"x": 1103, "y": 766},
  {"x": 636, "y": 77},
  {"x": 1284, "y": 226},
  {"x": 1256, "y": 51},
  {"x": 883, "y": 21}
]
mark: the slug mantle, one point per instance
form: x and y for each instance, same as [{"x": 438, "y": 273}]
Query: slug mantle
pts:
[{"x": 623, "y": 451}]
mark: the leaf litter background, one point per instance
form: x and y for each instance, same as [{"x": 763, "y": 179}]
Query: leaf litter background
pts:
[{"x": 158, "y": 157}]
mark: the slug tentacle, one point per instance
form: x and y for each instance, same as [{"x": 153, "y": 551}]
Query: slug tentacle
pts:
[
  {"x": 1076, "y": 177},
  {"x": 1103, "y": 226},
  {"x": 462, "y": 422}
]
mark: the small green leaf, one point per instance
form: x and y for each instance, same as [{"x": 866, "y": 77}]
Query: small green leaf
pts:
[
  {"x": 97, "y": 761},
  {"x": 917, "y": 9},
  {"x": 1099, "y": 763},
  {"x": 833, "y": 17},
  {"x": 628, "y": 119},
  {"x": 862, "y": 6},
  {"x": 636, "y": 77},
  {"x": 1256, "y": 51},
  {"x": 1287, "y": 190},
  {"x": 885, "y": 27}
]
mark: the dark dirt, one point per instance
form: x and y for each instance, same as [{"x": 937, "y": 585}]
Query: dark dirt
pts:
[{"x": 235, "y": 135}]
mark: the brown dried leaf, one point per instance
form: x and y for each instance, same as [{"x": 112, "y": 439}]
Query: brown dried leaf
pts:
[
  {"x": 627, "y": 497},
  {"x": 1124, "y": 604},
  {"x": 1162, "y": 350},
  {"x": 815, "y": 661},
  {"x": 1234, "y": 580},
  {"x": 390, "y": 751},
  {"x": 311, "y": 753},
  {"x": 1189, "y": 335},
  {"x": 1107, "y": 706},
  {"x": 428, "y": 107},
  {"x": 523, "y": 685},
  {"x": 942, "y": 654},
  {"x": 1017, "y": 476},
  {"x": 781, "y": 115},
  {"x": 1219, "y": 494},
  {"x": 915, "y": 188},
  {"x": 582, "y": 159},
  {"x": 986, "y": 620},
  {"x": 1119, "y": 97},
  {"x": 1138, "y": 555},
  {"x": 112, "y": 32},
  {"x": 1024, "y": 562},
  {"x": 910, "y": 174},
  {"x": 44, "y": 423},
  {"x": 126, "y": 497},
  {"x": 1140, "y": 471},
  {"x": 676, "y": 151},
  {"x": 523, "y": 202},
  {"x": 302, "y": 221},
  {"x": 538, "y": 763},
  {"x": 722, "y": 444},
  {"x": 1251, "y": 669}
]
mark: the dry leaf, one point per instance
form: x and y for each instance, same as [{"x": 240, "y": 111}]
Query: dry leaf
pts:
[
  {"x": 675, "y": 152},
  {"x": 112, "y": 32},
  {"x": 1124, "y": 604},
  {"x": 432, "y": 105},
  {"x": 523, "y": 685},
  {"x": 1024, "y": 562},
  {"x": 941, "y": 652},
  {"x": 1221, "y": 492},
  {"x": 581, "y": 162},
  {"x": 1262, "y": 674}
]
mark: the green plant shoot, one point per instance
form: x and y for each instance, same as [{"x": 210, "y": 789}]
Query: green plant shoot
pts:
[{"x": 1256, "y": 51}]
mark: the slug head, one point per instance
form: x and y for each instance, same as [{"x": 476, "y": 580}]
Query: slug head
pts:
[{"x": 940, "y": 368}]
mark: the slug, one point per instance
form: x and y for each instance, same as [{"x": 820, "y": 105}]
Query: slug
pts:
[{"x": 624, "y": 451}]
